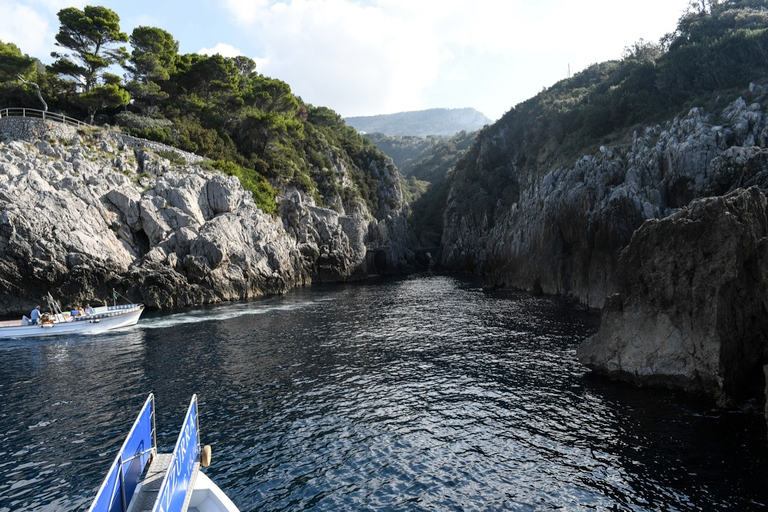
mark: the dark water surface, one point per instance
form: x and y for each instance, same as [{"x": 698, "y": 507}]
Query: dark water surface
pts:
[{"x": 425, "y": 393}]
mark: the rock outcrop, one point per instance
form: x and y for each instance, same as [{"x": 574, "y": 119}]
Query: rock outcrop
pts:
[
  {"x": 692, "y": 304},
  {"x": 82, "y": 214},
  {"x": 562, "y": 231}
]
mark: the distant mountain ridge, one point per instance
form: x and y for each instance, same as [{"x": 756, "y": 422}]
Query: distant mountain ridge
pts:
[{"x": 421, "y": 123}]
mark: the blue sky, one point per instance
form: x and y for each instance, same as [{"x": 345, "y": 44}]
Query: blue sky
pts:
[{"x": 368, "y": 57}]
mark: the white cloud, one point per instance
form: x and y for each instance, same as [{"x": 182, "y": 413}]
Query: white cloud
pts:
[
  {"x": 26, "y": 28},
  {"x": 377, "y": 56},
  {"x": 247, "y": 11},
  {"x": 223, "y": 49},
  {"x": 342, "y": 54},
  {"x": 32, "y": 25}
]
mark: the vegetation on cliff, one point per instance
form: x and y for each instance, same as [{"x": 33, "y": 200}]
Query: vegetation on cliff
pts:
[
  {"x": 716, "y": 50},
  {"x": 427, "y": 163},
  {"x": 214, "y": 106},
  {"x": 404, "y": 150},
  {"x": 709, "y": 61}
]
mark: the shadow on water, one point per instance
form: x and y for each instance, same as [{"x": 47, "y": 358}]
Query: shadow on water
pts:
[
  {"x": 424, "y": 393},
  {"x": 680, "y": 452}
]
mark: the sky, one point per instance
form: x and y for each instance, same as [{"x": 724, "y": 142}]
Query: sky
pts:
[{"x": 369, "y": 57}]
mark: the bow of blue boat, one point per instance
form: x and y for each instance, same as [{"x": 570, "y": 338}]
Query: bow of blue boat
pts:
[{"x": 141, "y": 479}]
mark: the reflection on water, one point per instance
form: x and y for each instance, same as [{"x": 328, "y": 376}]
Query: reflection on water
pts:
[{"x": 425, "y": 393}]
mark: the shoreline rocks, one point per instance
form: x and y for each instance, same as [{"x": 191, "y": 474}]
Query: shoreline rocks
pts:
[{"x": 692, "y": 322}]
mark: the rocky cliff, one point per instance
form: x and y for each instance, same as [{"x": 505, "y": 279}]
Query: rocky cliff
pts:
[
  {"x": 685, "y": 302},
  {"x": 692, "y": 302},
  {"x": 562, "y": 231},
  {"x": 83, "y": 213}
]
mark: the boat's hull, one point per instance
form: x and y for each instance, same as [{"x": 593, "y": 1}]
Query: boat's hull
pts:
[
  {"x": 92, "y": 324},
  {"x": 207, "y": 497}
]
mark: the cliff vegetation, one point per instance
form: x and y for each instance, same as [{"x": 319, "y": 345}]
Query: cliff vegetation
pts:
[
  {"x": 427, "y": 164},
  {"x": 252, "y": 126},
  {"x": 714, "y": 53}
]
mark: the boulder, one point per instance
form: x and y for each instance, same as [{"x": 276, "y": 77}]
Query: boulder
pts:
[{"x": 692, "y": 300}]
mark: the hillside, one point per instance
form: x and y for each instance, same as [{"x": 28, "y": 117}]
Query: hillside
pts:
[
  {"x": 86, "y": 210},
  {"x": 421, "y": 123},
  {"x": 250, "y": 125},
  {"x": 427, "y": 163},
  {"x": 279, "y": 193},
  {"x": 592, "y": 127},
  {"x": 404, "y": 150}
]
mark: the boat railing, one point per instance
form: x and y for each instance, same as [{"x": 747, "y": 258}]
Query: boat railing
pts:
[
  {"x": 185, "y": 461},
  {"x": 125, "y": 473},
  {"x": 123, "y": 306},
  {"x": 108, "y": 312},
  {"x": 179, "y": 471},
  {"x": 40, "y": 114}
]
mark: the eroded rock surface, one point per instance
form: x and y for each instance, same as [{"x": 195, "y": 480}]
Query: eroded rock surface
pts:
[
  {"x": 692, "y": 302},
  {"x": 81, "y": 215},
  {"x": 561, "y": 231}
]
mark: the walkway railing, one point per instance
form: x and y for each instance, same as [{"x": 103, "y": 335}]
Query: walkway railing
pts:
[{"x": 40, "y": 114}]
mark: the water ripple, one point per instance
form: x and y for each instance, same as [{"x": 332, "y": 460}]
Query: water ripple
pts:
[{"x": 426, "y": 393}]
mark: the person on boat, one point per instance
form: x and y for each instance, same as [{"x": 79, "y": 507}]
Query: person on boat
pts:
[
  {"x": 88, "y": 309},
  {"x": 35, "y": 316}
]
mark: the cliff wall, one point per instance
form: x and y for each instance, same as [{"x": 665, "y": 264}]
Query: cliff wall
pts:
[
  {"x": 684, "y": 302},
  {"x": 85, "y": 212},
  {"x": 562, "y": 231}
]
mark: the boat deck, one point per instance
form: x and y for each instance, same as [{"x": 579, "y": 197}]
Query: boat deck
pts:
[{"x": 150, "y": 486}]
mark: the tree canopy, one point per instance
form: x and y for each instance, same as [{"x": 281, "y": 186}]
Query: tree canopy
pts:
[
  {"x": 13, "y": 63},
  {"x": 90, "y": 36},
  {"x": 250, "y": 125}
]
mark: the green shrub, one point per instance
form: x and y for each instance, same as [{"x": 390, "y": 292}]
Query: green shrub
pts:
[{"x": 263, "y": 193}]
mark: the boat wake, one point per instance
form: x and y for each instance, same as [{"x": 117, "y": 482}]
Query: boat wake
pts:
[{"x": 218, "y": 314}]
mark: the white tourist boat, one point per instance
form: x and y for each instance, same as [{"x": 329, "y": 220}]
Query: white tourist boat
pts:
[
  {"x": 100, "y": 319},
  {"x": 140, "y": 479}
]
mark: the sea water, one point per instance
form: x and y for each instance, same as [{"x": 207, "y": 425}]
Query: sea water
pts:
[{"x": 420, "y": 393}]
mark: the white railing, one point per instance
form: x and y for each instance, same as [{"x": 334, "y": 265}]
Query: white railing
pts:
[{"x": 40, "y": 114}]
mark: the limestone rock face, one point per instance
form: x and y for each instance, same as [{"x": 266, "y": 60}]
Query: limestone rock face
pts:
[
  {"x": 692, "y": 298},
  {"x": 562, "y": 231},
  {"x": 80, "y": 215}
]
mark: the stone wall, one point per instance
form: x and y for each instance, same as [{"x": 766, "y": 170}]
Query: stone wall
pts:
[
  {"x": 31, "y": 129},
  {"x": 156, "y": 147}
]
